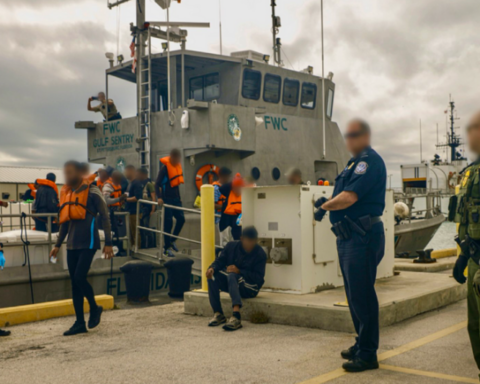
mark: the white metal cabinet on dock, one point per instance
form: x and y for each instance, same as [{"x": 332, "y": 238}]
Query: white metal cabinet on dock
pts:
[{"x": 302, "y": 254}]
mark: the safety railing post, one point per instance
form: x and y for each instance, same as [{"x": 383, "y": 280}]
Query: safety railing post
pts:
[
  {"x": 162, "y": 228},
  {"x": 49, "y": 228},
  {"x": 137, "y": 219},
  {"x": 207, "y": 224}
]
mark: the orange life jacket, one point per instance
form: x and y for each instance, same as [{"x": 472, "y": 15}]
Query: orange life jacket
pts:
[
  {"x": 32, "y": 188},
  {"x": 73, "y": 204},
  {"x": 234, "y": 204},
  {"x": 117, "y": 192},
  {"x": 222, "y": 198},
  {"x": 91, "y": 178},
  {"x": 175, "y": 173},
  {"x": 100, "y": 184},
  {"x": 48, "y": 183}
]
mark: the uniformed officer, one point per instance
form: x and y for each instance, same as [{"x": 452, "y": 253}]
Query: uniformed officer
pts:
[
  {"x": 464, "y": 209},
  {"x": 355, "y": 208}
]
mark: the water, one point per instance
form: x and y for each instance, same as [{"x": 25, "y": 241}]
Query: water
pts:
[{"x": 444, "y": 237}]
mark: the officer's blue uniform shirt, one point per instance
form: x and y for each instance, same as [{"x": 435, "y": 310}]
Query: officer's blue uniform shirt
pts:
[{"x": 366, "y": 175}]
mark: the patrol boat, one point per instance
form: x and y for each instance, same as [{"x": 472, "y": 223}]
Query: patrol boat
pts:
[{"x": 428, "y": 185}]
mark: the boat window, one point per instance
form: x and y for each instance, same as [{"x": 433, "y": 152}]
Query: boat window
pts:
[
  {"x": 255, "y": 173},
  {"x": 252, "y": 84},
  {"x": 276, "y": 173},
  {"x": 291, "y": 88},
  {"x": 271, "y": 89},
  {"x": 330, "y": 103},
  {"x": 205, "y": 88},
  {"x": 196, "y": 88},
  {"x": 309, "y": 95},
  {"x": 212, "y": 86}
]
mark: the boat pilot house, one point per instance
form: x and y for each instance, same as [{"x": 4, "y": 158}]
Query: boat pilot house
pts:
[{"x": 236, "y": 111}]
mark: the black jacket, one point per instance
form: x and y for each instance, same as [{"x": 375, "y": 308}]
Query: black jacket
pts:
[
  {"x": 46, "y": 200},
  {"x": 251, "y": 265}
]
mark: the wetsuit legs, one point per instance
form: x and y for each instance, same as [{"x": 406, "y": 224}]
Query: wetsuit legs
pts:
[{"x": 79, "y": 262}]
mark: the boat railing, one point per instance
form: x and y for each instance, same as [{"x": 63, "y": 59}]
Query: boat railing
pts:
[
  {"x": 50, "y": 217},
  {"x": 161, "y": 231}
]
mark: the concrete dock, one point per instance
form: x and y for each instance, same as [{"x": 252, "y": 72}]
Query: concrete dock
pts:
[
  {"x": 401, "y": 297},
  {"x": 442, "y": 264},
  {"x": 160, "y": 344}
]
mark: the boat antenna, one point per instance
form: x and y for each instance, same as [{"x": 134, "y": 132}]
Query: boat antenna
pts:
[
  {"x": 421, "y": 157},
  {"x": 277, "y": 42},
  {"x": 220, "y": 24},
  {"x": 323, "y": 86}
]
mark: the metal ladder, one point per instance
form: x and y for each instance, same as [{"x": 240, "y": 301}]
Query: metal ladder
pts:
[{"x": 145, "y": 104}]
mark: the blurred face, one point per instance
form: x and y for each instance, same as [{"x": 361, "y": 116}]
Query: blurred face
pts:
[
  {"x": 294, "y": 179},
  {"x": 174, "y": 160},
  {"x": 103, "y": 175},
  {"x": 355, "y": 139},
  {"x": 248, "y": 244},
  {"x": 101, "y": 96},
  {"x": 85, "y": 170},
  {"x": 237, "y": 190},
  {"x": 117, "y": 177},
  {"x": 73, "y": 176},
  {"x": 130, "y": 173},
  {"x": 140, "y": 175},
  {"x": 473, "y": 134},
  {"x": 224, "y": 179}
]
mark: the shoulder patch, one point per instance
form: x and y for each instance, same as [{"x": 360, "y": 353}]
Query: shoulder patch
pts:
[{"x": 361, "y": 168}]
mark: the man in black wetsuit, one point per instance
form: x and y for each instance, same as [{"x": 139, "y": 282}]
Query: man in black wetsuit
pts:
[{"x": 80, "y": 204}]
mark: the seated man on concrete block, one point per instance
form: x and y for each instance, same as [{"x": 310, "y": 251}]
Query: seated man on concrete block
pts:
[{"x": 240, "y": 271}]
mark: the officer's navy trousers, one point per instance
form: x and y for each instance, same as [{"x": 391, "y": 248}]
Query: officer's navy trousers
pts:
[{"x": 359, "y": 257}]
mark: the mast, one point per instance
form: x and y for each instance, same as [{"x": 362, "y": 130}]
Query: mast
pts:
[
  {"x": 277, "y": 44},
  {"x": 453, "y": 139}
]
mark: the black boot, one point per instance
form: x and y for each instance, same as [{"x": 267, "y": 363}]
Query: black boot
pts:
[
  {"x": 95, "y": 317},
  {"x": 359, "y": 365},
  {"x": 349, "y": 354},
  {"x": 4, "y": 333},
  {"x": 76, "y": 329}
]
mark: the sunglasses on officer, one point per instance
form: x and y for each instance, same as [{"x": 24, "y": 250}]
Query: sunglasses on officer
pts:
[{"x": 353, "y": 135}]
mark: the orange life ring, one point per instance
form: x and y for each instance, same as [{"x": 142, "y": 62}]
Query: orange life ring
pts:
[{"x": 210, "y": 171}]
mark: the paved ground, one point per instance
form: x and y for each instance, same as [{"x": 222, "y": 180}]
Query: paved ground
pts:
[{"x": 160, "y": 344}]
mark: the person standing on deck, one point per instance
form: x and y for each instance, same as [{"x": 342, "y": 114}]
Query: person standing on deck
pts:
[
  {"x": 232, "y": 206},
  {"x": 169, "y": 179},
  {"x": 80, "y": 204}
]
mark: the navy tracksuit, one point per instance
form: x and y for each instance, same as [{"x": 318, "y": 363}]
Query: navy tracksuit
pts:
[
  {"x": 359, "y": 256},
  {"x": 245, "y": 285}
]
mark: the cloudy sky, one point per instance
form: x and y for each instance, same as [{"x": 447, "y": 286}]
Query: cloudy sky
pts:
[{"x": 395, "y": 62}]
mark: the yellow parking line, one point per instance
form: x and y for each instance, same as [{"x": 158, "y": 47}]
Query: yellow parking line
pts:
[
  {"x": 429, "y": 374},
  {"x": 395, "y": 352}
]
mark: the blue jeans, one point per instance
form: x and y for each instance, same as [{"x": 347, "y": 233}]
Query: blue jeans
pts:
[
  {"x": 232, "y": 283},
  {"x": 359, "y": 257}
]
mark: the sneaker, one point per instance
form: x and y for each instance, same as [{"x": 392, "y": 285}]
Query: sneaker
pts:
[
  {"x": 359, "y": 365},
  {"x": 218, "y": 318},
  {"x": 174, "y": 247},
  {"x": 95, "y": 317},
  {"x": 4, "y": 333},
  {"x": 233, "y": 324},
  {"x": 76, "y": 329},
  {"x": 349, "y": 354},
  {"x": 168, "y": 253}
]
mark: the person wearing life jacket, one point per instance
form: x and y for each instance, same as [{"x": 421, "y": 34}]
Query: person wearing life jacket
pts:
[
  {"x": 232, "y": 206},
  {"x": 224, "y": 175},
  {"x": 46, "y": 201},
  {"x": 112, "y": 193},
  {"x": 31, "y": 192},
  {"x": 169, "y": 178},
  {"x": 82, "y": 207},
  {"x": 103, "y": 176}
]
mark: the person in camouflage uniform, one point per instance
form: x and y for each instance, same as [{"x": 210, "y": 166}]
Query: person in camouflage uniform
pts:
[{"x": 464, "y": 209}]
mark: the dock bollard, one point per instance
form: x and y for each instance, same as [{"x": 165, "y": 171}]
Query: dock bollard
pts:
[{"x": 207, "y": 230}]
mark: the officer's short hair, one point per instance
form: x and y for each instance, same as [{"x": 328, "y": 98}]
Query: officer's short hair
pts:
[
  {"x": 129, "y": 166},
  {"x": 250, "y": 233},
  {"x": 364, "y": 126}
]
